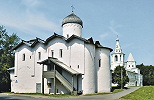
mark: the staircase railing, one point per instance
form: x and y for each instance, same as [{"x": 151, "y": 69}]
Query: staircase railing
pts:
[{"x": 64, "y": 81}]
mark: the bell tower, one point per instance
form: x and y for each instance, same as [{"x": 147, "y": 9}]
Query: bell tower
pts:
[{"x": 117, "y": 58}]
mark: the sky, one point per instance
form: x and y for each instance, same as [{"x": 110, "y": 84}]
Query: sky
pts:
[{"x": 131, "y": 20}]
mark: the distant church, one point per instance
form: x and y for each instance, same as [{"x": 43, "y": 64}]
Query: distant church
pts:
[
  {"x": 66, "y": 63},
  {"x": 117, "y": 58}
]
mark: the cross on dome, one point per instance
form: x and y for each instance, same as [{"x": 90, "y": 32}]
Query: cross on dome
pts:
[{"x": 72, "y": 8}]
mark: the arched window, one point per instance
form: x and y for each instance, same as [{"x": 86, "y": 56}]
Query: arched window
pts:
[
  {"x": 120, "y": 58},
  {"x": 78, "y": 66},
  {"x": 116, "y": 58}
]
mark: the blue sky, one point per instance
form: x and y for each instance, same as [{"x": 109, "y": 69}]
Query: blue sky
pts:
[{"x": 131, "y": 20}]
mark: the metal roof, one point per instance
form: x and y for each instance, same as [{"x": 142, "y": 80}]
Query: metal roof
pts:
[
  {"x": 130, "y": 57},
  {"x": 60, "y": 64},
  {"x": 33, "y": 42},
  {"x": 72, "y": 18}
]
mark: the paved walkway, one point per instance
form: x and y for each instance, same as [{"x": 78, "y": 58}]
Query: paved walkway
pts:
[{"x": 113, "y": 96}]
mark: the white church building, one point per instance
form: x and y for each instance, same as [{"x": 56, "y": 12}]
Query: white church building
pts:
[
  {"x": 133, "y": 73},
  {"x": 66, "y": 63}
]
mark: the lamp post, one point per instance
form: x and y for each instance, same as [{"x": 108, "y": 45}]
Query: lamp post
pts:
[{"x": 121, "y": 78}]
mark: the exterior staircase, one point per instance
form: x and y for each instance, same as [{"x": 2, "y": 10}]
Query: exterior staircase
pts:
[{"x": 62, "y": 79}]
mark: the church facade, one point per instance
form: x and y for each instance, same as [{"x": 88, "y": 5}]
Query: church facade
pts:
[
  {"x": 66, "y": 63},
  {"x": 133, "y": 73}
]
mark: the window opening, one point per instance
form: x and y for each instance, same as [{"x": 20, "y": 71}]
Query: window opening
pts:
[
  {"x": 61, "y": 53},
  {"x": 49, "y": 85},
  {"x": 116, "y": 58},
  {"x": 99, "y": 62},
  {"x": 39, "y": 55},
  {"x": 120, "y": 58},
  {"x": 23, "y": 57},
  {"x": 67, "y": 36},
  {"x": 52, "y": 53},
  {"x": 78, "y": 66}
]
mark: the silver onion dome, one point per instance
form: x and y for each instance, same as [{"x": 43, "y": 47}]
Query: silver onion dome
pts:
[{"x": 72, "y": 18}]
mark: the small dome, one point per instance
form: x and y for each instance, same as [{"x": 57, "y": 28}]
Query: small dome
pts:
[{"x": 72, "y": 18}]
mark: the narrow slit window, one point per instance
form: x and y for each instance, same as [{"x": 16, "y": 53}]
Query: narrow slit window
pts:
[
  {"x": 61, "y": 53},
  {"x": 120, "y": 58},
  {"x": 78, "y": 66},
  {"x": 67, "y": 36},
  {"x": 23, "y": 57},
  {"x": 52, "y": 53},
  {"x": 99, "y": 62},
  {"x": 39, "y": 55}
]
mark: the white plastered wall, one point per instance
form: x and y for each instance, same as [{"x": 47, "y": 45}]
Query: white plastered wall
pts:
[
  {"x": 28, "y": 72},
  {"x": 89, "y": 77},
  {"x": 103, "y": 72},
  {"x": 72, "y": 28}
]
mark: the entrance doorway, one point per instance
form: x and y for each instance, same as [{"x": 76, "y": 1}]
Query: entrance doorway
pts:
[{"x": 38, "y": 87}]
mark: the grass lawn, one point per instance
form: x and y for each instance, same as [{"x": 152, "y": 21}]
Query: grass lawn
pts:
[
  {"x": 143, "y": 93},
  {"x": 114, "y": 90},
  {"x": 117, "y": 89}
]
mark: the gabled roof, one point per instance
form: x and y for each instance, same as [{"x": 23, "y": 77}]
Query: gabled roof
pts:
[
  {"x": 38, "y": 40},
  {"x": 33, "y": 42},
  {"x": 98, "y": 45},
  {"x": 30, "y": 43},
  {"x": 77, "y": 37},
  {"x": 60, "y": 64},
  {"x": 53, "y": 37},
  {"x": 130, "y": 57}
]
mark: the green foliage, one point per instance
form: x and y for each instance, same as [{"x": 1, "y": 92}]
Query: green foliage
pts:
[
  {"x": 119, "y": 76},
  {"x": 148, "y": 74},
  {"x": 143, "y": 93},
  {"x": 7, "y": 42}
]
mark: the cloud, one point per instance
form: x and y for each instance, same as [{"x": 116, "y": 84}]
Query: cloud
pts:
[
  {"x": 113, "y": 27},
  {"x": 30, "y": 3},
  {"x": 104, "y": 35},
  {"x": 28, "y": 22},
  {"x": 31, "y": 24}
]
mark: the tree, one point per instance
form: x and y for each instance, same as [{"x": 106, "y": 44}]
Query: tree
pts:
[
  {"x": 119, "y": 76},
  {"x": 148, "y": 74},
  {"x": 7, "y": 42}
]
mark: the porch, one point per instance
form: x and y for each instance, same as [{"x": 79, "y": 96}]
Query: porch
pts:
[{"x": 55, "y": 68}]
